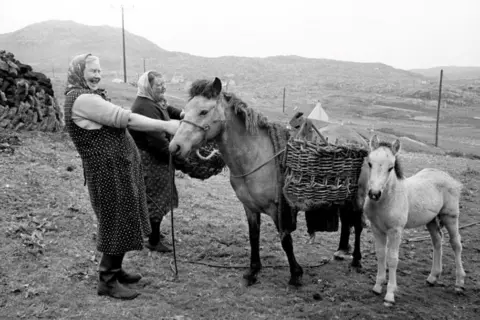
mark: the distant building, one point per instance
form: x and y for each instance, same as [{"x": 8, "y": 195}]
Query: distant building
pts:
[{"x": 177, "y": 78}]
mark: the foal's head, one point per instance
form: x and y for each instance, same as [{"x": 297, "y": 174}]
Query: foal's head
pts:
[{"x": 384, "y": 166}]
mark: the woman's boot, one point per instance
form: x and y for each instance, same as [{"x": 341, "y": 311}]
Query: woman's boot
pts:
[
  {"x": 154, "y": 242},
  {"x": 108, "y": 284},
  {"x": 124, "y": 277}
]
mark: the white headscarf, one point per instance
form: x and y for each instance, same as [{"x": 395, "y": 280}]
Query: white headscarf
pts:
[{"x": 144, "y": 89}]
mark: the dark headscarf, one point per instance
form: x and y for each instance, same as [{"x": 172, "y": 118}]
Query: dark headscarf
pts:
[{"x": 75, "y": 78}]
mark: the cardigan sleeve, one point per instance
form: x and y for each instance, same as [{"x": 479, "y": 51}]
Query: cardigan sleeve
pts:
[
  {"x": 90, "y": 111},
  {"x": 157, "y": 142},
  {"x": 174, "y": 113}
]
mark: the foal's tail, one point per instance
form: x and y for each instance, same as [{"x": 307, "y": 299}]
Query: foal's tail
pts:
[{"x": 455, "y": 187}]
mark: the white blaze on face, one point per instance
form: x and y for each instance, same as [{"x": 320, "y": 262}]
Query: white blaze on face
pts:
[
  {"x": 93, "y": 72},
  {"x": 381, "y": 163}
]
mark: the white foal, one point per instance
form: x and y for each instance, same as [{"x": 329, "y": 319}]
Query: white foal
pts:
[{"x": 430, "y": 197}]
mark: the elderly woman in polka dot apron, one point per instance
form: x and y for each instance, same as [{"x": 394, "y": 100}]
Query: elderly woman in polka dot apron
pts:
[
  {"x": 153, "y": 147},
  {"x": 112, "y": 169}
]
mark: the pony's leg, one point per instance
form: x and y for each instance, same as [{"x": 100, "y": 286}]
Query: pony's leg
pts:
[
  {"x": 436, "y": 235},
  {"x": 254, "y": 221},
  {"x": 451, "y": 224},
  {"x": 296, "y": 271},
  {"x": 380, "y": 250},
  {"x": 357, "y": 254},
  {"x": 343, "y": 247},
  {"x": 394, "y": 236}
]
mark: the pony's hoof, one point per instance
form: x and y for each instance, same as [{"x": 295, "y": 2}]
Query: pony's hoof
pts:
[
  {"x": 341, "y": 255},
  {"x": 249, "y": 280},
  {"x": 430, "y": 283},
  {"x": 388, "y": 304},
  {"x": 357, "y": 265},
  {"x": 460, "y": 290},
  {"x": 377, "y": 289},
  {"x": 296, "y": 282}
]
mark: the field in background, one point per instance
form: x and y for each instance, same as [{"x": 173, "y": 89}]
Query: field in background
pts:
[{"x": 389, "y": 116}]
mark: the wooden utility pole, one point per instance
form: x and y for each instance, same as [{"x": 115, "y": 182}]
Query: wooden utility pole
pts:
[
  {"x": 438, "y": 108},
  {"x": 144, "y": 68},
  {"x": 124, "y": 55},
  {"x": 283, "y": 99}
]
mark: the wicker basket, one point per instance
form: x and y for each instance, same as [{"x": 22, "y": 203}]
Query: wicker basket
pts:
[
  {"x": 199, "y": 168},
  {"x": 320, "y": 173}
]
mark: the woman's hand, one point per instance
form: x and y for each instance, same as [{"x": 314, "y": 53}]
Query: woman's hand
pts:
[{"x": 172, "y": 126}]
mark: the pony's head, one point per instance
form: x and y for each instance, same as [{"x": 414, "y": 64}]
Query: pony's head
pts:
[
  {"x": 204, "y": 117},
  {"x": 383, "y": 165}
]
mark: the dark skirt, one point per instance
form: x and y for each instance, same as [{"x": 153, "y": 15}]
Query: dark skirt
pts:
[
  {"x": 158, "y": 186},
  {"x": 117, "y": 194}
]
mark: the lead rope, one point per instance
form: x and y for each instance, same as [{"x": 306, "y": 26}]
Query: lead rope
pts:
[{"x": 172, "y": 173}]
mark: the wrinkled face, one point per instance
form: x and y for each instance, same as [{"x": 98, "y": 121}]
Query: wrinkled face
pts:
[
  {"x": 381, "y": 162},
  {"x": 159, "y": 88},
  {"x": 203, "y": 112},
  {"x": 92, "y": 73}
]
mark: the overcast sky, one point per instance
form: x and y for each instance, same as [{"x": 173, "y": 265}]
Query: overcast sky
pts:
[{"x": 405, "y": 33}]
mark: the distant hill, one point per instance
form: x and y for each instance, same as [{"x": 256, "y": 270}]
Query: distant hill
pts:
[
  {"x": 451, "y": 72},
  {"x": 52, "y": 44}
]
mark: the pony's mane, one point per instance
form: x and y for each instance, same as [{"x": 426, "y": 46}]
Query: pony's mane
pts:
[
  {"x": 398, "y": 166},
  {"x": 251, "y": 118}
]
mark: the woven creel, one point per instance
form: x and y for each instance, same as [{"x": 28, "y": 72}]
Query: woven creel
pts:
[
  {"x": 321, "y": 173},
  {"x": 199, "y": 168}
]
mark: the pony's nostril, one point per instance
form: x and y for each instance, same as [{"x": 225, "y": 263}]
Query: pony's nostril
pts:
[
  {"x": 175, "y": 149},
  {"x": 374, "y": 195}
]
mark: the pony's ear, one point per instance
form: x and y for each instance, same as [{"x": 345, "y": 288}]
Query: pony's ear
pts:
[
  {"x": 217, "y": 86},
  {"x": 374, "y": 143},
  {"x": 396, "y": 146}
]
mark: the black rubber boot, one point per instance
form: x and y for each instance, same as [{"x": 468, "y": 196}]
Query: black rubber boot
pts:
[
  {"x": 125, "y": 277},
  {"x": 108, "y": 285},
  {"x": 154, "y": 243}
]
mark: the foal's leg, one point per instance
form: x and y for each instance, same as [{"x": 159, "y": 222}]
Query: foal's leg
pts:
[
  {"x": 380, "y": 250},
  {"x": 436, "y": 235},
  {"x": 451, "y": 224},
  {"x": 254, "y": 234},
  {"x": 394, "y": 236}
]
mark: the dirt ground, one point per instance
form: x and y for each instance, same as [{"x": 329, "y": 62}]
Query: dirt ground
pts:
[{"x": 48, "y": 264}]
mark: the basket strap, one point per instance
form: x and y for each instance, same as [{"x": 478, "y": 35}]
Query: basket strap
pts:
[{"x": 255, "y": 169}]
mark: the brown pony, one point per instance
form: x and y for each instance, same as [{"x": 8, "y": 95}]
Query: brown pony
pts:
[{"x": 243, "y": 139}]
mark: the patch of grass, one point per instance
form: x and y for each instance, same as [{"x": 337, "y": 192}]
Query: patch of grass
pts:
[
  {"x": 471, "y": 172},
  {"x": 398, "y": 133},
  {"x": 459, "y": 154}
]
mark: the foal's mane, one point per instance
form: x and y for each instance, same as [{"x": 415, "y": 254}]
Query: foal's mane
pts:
[
  {"x": 398, "y": 166},
  {"x": 251, "y": 118}
]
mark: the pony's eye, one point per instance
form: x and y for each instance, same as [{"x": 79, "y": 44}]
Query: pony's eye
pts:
[
  {"x": 390, "y": 169},
  {"x": 203, "y": 112},
  {"x": 369, "y": 164}
]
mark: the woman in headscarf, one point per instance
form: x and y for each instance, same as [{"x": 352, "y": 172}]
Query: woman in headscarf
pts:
[
  {"x": 153, "y": 146},
  {"x": 112, "y": 170}
]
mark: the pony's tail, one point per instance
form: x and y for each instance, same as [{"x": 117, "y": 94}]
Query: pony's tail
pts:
[{"x": 456, "y": 188}]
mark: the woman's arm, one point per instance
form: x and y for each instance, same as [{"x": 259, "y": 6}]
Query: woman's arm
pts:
[
  {"x": 142, "y": 123},
  {"x": 91, "y": 107}
]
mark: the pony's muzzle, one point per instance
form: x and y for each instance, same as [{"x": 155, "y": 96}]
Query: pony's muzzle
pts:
[
  {"x": 174, "y": 149},
  {"x": 374, "y": 195}
]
